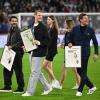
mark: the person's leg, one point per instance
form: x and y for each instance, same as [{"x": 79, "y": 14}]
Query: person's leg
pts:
[
  {"x": 64, "y": 71},
  {"x": 77, "y": 78},
  {"x": 7, "y": 80},
  {"x": 83, "y": 74},
  {"x": 48, "y": 67},
  {"x": 19, "y": 72},
  {"x": 35, "y": 73},
  {"x": 44, "y": 82}
]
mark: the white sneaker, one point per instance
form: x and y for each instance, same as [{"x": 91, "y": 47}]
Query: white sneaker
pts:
[
  {"x": 78, "y": 93},
  {"x": 75, "y": 87},
  {"x": 47, "y": 91},
  {"x": 56, "y": 84},
  {"x": 26, "y": 94},
  {"x": 91, "y": 91},
  {"x": 60, "y": 87}
]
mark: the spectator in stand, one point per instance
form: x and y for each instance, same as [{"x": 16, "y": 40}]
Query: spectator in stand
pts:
[{"x": 3, "y": 25}]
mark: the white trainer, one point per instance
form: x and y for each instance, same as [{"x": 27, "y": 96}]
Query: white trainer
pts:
[
  {"x": 47, "y": 91},
  {"x": 91, "y": 91},
  {"x": 26, "y": 94},
  {"x": 56, "y": 84},
  {"x": 78, "y": 93},
  {"x": 75, "y": 87},
  {"x": 60, "y": 87}
]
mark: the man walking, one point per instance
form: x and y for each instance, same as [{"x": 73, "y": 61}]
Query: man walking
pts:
[
  {"x": 81, "y": 36},
  {"x": 40, "y": 33},
  {"x": 15, "y": 43}
]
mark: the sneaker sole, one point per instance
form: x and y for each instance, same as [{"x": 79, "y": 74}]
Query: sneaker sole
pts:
[
  {"x": 5, "y": 90},
  {"x": 48, "y": 92},
  {"x": 18, "y": 92}
]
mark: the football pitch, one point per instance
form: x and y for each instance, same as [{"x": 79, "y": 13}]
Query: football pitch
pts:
[{"x": 66, "y": 93}]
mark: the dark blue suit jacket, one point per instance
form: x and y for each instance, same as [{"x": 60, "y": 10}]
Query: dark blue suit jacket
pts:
[{"x": 78, "y": 38}]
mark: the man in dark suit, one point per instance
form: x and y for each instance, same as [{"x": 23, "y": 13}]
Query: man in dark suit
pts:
[{"x": 81, "y": 36}]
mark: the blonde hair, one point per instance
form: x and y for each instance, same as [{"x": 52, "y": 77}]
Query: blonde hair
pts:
[
  {"x": 36, "y": 11},
  {"x": 70, "y": 24}
]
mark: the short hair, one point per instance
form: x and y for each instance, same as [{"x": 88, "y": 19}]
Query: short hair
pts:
[
  {"x": 36, "y": 11},
  {"x": 82, "y": 15},
  {"x": 12, "y": 17}
]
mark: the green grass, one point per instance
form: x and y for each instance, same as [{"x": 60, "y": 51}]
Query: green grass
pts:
[{"x": 66, "y": 93}]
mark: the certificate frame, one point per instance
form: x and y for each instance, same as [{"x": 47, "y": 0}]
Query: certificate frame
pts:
[
  {"x": 27, "y": 38},
  {"x": 7, "y": 58},
  {"x": 73, "y": 56}
]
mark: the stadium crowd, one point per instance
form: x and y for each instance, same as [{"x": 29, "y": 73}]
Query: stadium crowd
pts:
[{"x": 15, "y": 6}]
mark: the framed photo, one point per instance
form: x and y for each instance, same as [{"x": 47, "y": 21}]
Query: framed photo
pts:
[
  {"x": 7, "y": 58},
  {"x": 73, "y": 56},
  {"x": 27, "y": 38}
]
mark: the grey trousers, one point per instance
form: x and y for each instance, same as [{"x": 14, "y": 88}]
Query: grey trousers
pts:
[{"x": 36, "y": 75}]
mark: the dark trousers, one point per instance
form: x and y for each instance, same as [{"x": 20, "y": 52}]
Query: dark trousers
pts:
[
  {"x": 17, "y": 67},
  {"x": 83, "y": 74}
]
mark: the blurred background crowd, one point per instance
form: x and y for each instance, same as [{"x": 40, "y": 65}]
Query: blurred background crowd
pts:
[{"x": 15, "y": 6}]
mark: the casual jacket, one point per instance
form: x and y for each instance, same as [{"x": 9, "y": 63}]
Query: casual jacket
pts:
[{"x": 41, "y": 34}]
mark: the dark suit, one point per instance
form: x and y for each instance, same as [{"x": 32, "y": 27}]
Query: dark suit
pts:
[
  {"x": 14, "y": 40},
  {"x": 81, "y": 36}
]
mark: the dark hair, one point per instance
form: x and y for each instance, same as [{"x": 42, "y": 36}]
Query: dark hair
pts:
[
  {"x": 82, "y": 15},
  {"x": 12, "y": 17},
  {"x": 52, "y": 17},
  {"x": 55, "y": 23}
]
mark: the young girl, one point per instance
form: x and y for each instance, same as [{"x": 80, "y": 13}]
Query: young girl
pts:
[{"x": 69, "y": 25}]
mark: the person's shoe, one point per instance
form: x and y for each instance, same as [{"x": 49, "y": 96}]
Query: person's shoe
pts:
[
  {"x": 56, "y": 84},
  {"x": 26, "y": 94},
  {"x": 78, "y": 93},
  {"x": 6, "y": 89},
  {"x": 60, "y": 87},
  {"x": 47, "y": 91},
  {"x": 91, "y": 91},
  {"x": 19, "y": 91},
  {"x": 75, "y": 87}
]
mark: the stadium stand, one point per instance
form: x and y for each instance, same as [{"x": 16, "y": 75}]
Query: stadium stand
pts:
[{"x": 16, "y": 6}]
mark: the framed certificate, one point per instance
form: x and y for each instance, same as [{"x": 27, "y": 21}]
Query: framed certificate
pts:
[
  {"x": 27, "y": 38},
  {"x": 7, "y": 58},
  {"x": 73, "y": 56}
]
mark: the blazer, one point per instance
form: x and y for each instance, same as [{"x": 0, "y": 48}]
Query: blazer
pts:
[
  {"x": 52, "y": 48},
  {"x": 14, "y": 39},
  {"x": 79, "y": 38}
]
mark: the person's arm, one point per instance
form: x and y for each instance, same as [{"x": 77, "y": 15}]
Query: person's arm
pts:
[
  {"x": 45, "y": 41},
  {"x": 95, "y": 43},
  {"x": 69, "y": 39}
]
